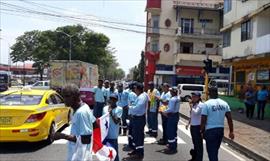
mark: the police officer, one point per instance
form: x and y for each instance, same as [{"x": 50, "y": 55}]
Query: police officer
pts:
[
  {"x": 138, "y": 122},
  {"x": 131, "y": 102},
  {"x": 100, "y": 98},
  {"x": 164, "y": 99},
  {"x": 123, "y": 102},
  {"x": 172, "y": 114},
  {"x": 212, "y": 123}
]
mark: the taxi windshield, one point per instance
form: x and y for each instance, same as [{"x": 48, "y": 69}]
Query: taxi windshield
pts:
[{"x": 18, "y": 99}]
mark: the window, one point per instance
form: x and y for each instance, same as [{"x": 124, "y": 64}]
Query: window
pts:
[
  {"x": 164, "y": 67},
  {"x": 263, "y": 75},
  {"x": 155, "y": 24},
  {"x": 187, "y": 25},
  {"x": 227, "y": 6},
  {"x": 226, "y": 39},
  {"x": 193, "y": 88},
  {"x": 59, "y": 99},
  {"x": 241, "y": 77},
  {"x": 209, "y": 45},
  {"x": 246, "y": 31},
  {"x": 186, "y": 47},
  {"x": 206, "y": 21},
  {"x": 155, "y": 46}
]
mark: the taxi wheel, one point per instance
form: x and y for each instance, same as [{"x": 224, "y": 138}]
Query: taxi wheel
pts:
[{"x": 50, "y": 138}]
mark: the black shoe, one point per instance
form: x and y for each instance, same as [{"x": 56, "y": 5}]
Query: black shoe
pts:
[
  {"x": 153, "y": 135},
  {"x": 161, "y": 142},
  {"x": 132, "y": 153},
  {"x": 127, "y": 148},
  {"x": 170, "y": 151},
  {"x": 148, "y": 132}
]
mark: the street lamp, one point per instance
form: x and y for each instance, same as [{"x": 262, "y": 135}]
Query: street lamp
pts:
[{"x": 70, "y": 36}]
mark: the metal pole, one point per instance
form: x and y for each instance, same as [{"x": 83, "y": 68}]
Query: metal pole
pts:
[
  {"x": 206, "y": 85},
  {"x": 69, "y": 48}
]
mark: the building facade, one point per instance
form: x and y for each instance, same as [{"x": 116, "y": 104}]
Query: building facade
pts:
[
  {"x": 246, "y": 44},
  {"x": 180, "y": 35}
]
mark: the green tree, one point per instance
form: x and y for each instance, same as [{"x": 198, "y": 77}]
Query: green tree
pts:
[{"x": 87, "y": 46}]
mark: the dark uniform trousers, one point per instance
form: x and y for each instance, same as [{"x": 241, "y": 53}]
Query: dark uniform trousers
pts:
[
  {"x": 138, "y": 123},
  {"x": 98, "y": 109},
  {"x": 197, "y": 141},
  {"x": 172, "y": 122},
  {"x": 213, "y": 138},
  {"x": 131, "y": 143},
  {"x": 164, "y": 127}
]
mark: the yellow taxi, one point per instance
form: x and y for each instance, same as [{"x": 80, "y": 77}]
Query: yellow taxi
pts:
[{"x": 31, "y": 115}]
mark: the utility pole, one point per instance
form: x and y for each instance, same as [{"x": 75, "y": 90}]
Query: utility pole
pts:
[{"x": 207, "y": 70}]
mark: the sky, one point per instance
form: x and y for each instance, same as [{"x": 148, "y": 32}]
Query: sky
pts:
[{"x": 128, "y": 45}]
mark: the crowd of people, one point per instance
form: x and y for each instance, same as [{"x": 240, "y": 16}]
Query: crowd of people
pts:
[
  {"x": 134, "y": 107},
  {"x": 251, "y": 97}
]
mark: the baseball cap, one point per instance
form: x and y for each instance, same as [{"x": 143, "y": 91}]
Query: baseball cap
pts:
[
  {"x": 196, "y": 93},
  {"x": 113, "y": 95}
]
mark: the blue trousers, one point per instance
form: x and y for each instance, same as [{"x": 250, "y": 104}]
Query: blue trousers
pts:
[
  {"x": 260, "y": 108},
  {"x": 153, "y": 122},
  {"x": 172, "y": 123},
  {"x": 164, "y": 127},
  {"x": 98, "y": 109},
  {"x": 138, "y": 133},
  {"x": 114, "y": 144},
  {"x": 197, "y": 142},
  {"x": 131, "y": 143},
  {"x": 213, "y": 138},
  {"x": 124, "y": 118}
]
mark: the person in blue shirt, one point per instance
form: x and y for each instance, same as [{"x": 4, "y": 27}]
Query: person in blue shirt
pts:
[
  {"x": 123, "y": 102},
  {"x": 83, "y": 120},
  {"x": 164, "y": 100},
  {"x": 115, "y": 119},
  {"x": 110, "y": 91},
  {"x": 131, "y": 102},
  {"x": 138, "y": 122},
  {"x": 212, "y": 123},
  {"x": 262, "y": 96},
  {"x": 172, "y": 114},
  {"x": 250, "y": 101},
  {"x": 100, "y": 98},
  {"x": 152, "y": 112}
]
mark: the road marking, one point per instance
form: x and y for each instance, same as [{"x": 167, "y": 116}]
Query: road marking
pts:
[{"x": 179, "y": 140}]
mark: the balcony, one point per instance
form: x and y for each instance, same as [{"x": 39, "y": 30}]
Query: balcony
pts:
[
  {"x": 199, "y": 33},
  {"x": 263, "y": 44},
  {"x": 192, "y": 59},
  {"x": 153, "y": 6}
]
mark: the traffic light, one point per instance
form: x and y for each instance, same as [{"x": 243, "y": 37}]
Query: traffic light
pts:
[{"x": 207, "y": 65}]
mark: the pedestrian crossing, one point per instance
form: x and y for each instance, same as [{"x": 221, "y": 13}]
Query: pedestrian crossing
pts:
[{"x": 147, "y": 139}]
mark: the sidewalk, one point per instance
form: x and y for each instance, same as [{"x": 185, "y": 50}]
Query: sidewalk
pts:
[{"x": 252, "y": 137}]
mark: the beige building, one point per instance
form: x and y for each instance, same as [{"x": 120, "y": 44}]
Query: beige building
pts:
[
  {"x": 180, "y": 35},
  {"x": 246, "y": 44}
]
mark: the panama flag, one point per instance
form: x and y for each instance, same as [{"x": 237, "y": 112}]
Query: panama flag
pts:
[{"x": 103, "y": 152}]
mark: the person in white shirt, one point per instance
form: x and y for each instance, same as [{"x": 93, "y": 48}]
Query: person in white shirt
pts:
[
  {"x": 212, "y": 123},
  {"x": 195, "y": 121}
]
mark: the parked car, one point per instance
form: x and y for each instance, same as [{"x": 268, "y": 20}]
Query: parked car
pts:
[
  {"x": 41, "y": 85},
  {"x": 31, "y": 115},
  {"x": 185, "y": 90}
]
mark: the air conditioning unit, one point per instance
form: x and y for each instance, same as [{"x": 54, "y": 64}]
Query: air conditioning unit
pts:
[{"x": 179, "y": 31}]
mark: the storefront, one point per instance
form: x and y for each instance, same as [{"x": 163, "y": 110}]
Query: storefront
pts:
[
  {"x": 189, "y": 75},
  {"x": 255, "y": 71}
]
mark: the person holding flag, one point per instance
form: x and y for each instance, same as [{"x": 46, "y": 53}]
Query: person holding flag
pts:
[
  {"x": 115, "y": 119},
  {"x": 82, "y": 124}
]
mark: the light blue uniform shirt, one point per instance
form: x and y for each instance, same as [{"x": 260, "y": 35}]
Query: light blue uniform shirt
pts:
[
  {"x": 141, "y": 104},
  {"x": 82, "y": 124},
  {"x": 109, "y": 92},
  {"x": 113, "y": 131},
  {"x": 153, "y": 107},
  {"x": 122, "y": 98},
  {"x": 215, "y": 110},
  {"x": 174, "y": 105},
  {"x": 165, "y": 97},
  {"x": 100, "y": 93},
  {"x": 131, "y": 99},
  {"x": 262, "y": 95}
]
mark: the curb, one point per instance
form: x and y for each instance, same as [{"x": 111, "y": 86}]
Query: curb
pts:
[{"x": 237, "y": 146}]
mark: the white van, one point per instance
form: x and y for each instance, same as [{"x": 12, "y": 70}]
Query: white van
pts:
[
  {"x": 185, "y": 90},
  {"x": 222, "y": 85}
]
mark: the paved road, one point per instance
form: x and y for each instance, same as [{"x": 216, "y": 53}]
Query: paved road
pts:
[{"x": 58, "y": 150}]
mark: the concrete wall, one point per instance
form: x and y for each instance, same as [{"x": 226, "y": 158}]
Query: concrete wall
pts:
[{"x": 240, "y": 9}]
